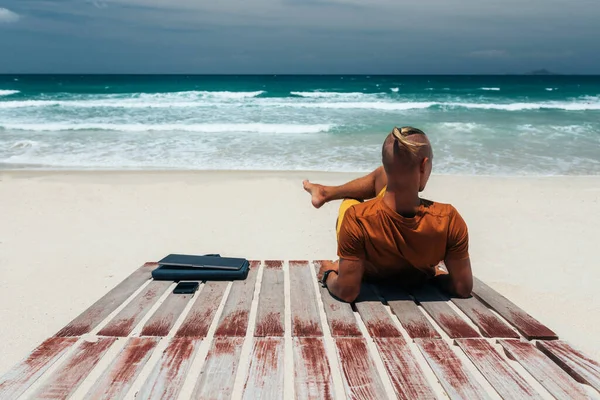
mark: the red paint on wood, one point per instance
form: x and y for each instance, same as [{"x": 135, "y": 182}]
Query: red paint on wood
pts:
[
  {"x": 529, "y": 326},
  {"x": 269, "y": 318},
  {"x": 219, "y": 370},
  {"x": 24, "y": 374},
  {"x": 454, "y": 326},
  {"x": 65, "y": 380},
  {"x": 304, "y": 328},
  {"x": 498, "y": 372},
  {"x": 120, "y": 375},
  {"x": 157, "y": 328},
  {"x": 223, "y": 346},
  {"x": 491, "y": 326},
  {"x": 134, "y": 353},
  {"x": 436, "y": 305},
  {"x": 273, "y": 264},
  {"x": 200, "y": 316},
  {"x": 269, "y": 325},
  {"x": 544, "y": 370},
  {"x": 360, "y": 374},
  {"x": 312, "y": 372},
  {"x": 403, "y": 369},
  {"x": 167, "y": 378},
  {"x": 122, "y": 324},
  {"x": 119, "y": 328},
  {"x": 408, "y": 313},
  {"x": 265, "y": 376},
  {"x": 373, "y": 313},
  {"x": 575, "y": 363},
  {"x": 96, "y": 313},
  {"x": 235, "y": 324},
  {"x": 420, "y": 330},
  {"x": 197, "y": 325},
  {"x": 523, "y": 322},
  {"x": 383, "y": 329},
  {"x": 340, "y": 317},
  {"x": 303, "y": 301},
  {"x": 456, "y": 380},
  {"x": 164, "y": 318},
  {"x": 266, "y": 353},
  {"x": 298, "y": 263},
  {"x": 340, "y": 328},
  {"x": 234, "y": 318}
]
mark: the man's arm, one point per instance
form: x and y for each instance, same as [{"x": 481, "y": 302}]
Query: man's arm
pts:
[
  {"x": 459, "y": 279},
  {"x": 345, "y": 284}
]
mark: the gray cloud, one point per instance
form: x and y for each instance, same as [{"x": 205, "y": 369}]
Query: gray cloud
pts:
[
  {"x": 489, "y": 53},
  {"x": 302, "y": 36},
  {"x": 7, "y": 16}
]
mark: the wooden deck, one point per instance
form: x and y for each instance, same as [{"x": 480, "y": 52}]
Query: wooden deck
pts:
[{"x": 278, "y": 335}]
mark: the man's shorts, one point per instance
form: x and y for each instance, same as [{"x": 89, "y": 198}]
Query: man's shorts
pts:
[{"x": 346, "y": 204}]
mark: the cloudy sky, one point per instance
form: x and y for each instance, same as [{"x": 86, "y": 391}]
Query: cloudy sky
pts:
[{"x": 299, "y": 36}]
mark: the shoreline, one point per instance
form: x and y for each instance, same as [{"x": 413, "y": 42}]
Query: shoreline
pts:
[
  {"x": 274, "y": 172},
  {"x": 67, "y": 237}
]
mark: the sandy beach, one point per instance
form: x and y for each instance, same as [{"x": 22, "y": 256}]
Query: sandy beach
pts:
[{"x": 66, "y": 238}]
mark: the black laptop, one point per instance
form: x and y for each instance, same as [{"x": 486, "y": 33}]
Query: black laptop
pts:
[{"x": 177, "y": 267}]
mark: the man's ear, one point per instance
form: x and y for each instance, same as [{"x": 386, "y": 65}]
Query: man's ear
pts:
[{"x": 423, "y": 164}]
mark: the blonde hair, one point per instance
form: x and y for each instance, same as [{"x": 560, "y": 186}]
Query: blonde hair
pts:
[
  {"x": 401, "y": 136},
  {"x": 398, "y": 146}
]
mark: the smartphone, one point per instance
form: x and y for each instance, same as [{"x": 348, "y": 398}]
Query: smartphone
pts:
[{"x": 186, "y": 288}]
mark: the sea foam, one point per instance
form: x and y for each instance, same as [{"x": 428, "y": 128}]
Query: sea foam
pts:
[{"x": 203, "y": 128}]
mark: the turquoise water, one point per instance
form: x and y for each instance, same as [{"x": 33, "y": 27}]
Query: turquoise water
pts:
[{"x": 493, "y": 125}]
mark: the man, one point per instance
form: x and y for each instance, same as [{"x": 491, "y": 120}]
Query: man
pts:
[{"x": 396, "y": 237}]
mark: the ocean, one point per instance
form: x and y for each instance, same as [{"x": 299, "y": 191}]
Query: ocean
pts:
[{"x": 482, "y": 125}]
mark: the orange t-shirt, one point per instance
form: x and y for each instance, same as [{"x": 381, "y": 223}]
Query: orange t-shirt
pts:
[{"x": 396, "y": 246}]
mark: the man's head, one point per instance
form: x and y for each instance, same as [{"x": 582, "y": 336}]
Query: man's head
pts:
[{"x": 407, "y": 158}]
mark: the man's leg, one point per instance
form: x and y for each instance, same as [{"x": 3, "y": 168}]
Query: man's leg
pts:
[{"x": 363, "y": 188}]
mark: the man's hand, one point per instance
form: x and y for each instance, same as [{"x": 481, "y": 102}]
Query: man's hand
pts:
[
  {"x": 459, "y": 279},
  {"x": 345, "y": 285},
  {"x": 327, "y": 266}
]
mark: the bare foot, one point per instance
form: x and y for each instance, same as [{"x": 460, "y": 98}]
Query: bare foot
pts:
[{"x": 317, "y": 192}]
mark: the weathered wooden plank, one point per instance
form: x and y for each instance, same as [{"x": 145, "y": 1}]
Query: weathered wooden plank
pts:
[
  {"x": 530, "y": 327},
  {"x": 95, "y": 314},
  {"x": 361, "y": 380},
  {"x": 166, "y": 379},
  {"x": 374, "y": 315},
  {"x": 161, "y": 322},
  {"x": 498, "y": 372},
  {"x": 312, "y": 375},
  {"x": 69, "y": 375},
  {"x": 456, "y": 380},
  {"x": 218, "y": 372},
  {"x": 544, "y": 370},
  {"x": 340, "y": 317},
  {"x": 124, "y": 322},
  {"x": 234, "y": 318},
  {"x": 269, "y": 319},
  {"x": 265, "y": 372},
  {"x": 24, "y": 374},
  {"x": 574, "y": 362},
  {"x": 489, "y": 324},
  {"x": 437, "y": 307},
  {"x": 117, "y": 379},
  {"x": 408, "y": 313},
  {"x": 201, "y": 314},
  {"x": 403, "y": 369},
  {"x": 305, "y": 312}
]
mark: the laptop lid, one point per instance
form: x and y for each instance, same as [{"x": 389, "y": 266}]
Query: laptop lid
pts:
[{"x": 206, "y": 262}]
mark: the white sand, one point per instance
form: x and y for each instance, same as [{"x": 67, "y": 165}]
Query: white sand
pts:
[{"x": 67, "y": 238}]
